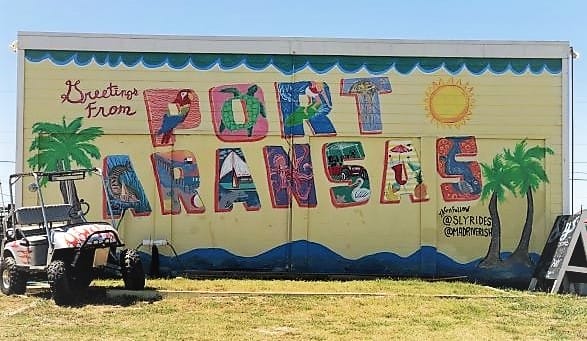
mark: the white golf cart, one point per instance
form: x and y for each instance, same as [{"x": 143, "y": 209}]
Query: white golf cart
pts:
[{"x": 56, "y": 242}]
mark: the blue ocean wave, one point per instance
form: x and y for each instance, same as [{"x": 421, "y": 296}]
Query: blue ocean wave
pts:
[
  {"x": 306, "y": 257},
  {"x": 290, "y": 64}
]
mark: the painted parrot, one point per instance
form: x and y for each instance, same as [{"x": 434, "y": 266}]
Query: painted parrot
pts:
[
  {"x": 170, "y": 122},
  {"x": 317, "y": 105}
]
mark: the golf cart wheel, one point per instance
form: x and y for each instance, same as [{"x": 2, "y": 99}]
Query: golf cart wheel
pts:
[
  {"x": 132, "y": 270},
  {"x": 82, "y": 280},
  {"x": 13, "y": 280},
  {"x": 59, "y": 281}
]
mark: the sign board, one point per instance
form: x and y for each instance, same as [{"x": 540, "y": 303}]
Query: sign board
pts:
[
  {"x": 539, "y": 280},
  {"x": 570, "y": 256}
]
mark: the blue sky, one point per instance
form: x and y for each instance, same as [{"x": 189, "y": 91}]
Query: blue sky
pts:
[{"x": 433, "y": 19}]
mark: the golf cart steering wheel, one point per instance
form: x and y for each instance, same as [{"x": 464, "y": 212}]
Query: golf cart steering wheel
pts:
[{"x": 84, "y": 209}]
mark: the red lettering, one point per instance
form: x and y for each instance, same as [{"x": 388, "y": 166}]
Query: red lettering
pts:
[
  {"x": 75, "y": 95},
  {"x": 67, "y": 96}
]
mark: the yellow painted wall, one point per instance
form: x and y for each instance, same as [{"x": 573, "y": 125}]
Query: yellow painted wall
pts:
[{"x": 505, "y": 109}]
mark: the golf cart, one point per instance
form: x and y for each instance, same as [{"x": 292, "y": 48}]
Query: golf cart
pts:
[{"x": 57, "y": 243}]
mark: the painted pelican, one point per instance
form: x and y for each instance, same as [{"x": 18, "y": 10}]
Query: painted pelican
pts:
[{"x": 359, "y": 193}]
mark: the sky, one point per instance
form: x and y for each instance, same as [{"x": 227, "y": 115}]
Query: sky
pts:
[{"x": 385, "y": 19}]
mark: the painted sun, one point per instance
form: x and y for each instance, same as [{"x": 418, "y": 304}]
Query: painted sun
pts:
[{"x": 449, "y": 102}]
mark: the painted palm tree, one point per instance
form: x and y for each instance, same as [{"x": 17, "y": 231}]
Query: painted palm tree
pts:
[
  {"x": 527, "y": 173},
  {"x": 57, "y": 147},
  {"x": 497, "y": 182}
]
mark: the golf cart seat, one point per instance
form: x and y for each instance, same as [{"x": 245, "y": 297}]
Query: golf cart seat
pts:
[{"x": 34, "y": 214}]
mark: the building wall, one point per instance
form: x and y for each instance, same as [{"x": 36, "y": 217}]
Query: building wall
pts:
[{"x": 388, "y": 162}]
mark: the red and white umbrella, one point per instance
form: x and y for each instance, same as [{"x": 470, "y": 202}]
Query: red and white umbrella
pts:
[{"x": 400, "y": 149}]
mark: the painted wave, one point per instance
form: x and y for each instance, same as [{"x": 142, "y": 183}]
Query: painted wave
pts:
[
  {"x": 290, "y": 64},
  {"x": 306, "y": 257}
]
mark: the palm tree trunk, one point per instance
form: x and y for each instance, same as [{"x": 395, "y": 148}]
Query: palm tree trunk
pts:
[
  {"x": 521, "y": 252},
  {"x": 68, "y": 189},
  {"x": 69, "y": 193},
  {"x": 493, "y": 253}
]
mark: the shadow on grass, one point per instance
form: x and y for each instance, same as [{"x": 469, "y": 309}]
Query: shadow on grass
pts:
[{"x": 114, "y": 296}]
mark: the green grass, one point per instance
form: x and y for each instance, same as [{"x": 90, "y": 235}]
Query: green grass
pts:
[{"x": 319, "y": 310}]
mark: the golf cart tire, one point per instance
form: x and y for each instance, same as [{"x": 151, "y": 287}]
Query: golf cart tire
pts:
[
  {"x": 13, "y": 280},
  {"x": 133, "y": 274},
  {"x": 59, "y": 281},
  {"x": 82, "y": 280}
]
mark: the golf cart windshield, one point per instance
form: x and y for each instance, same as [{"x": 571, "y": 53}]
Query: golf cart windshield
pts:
[{"x": 55, "y": 188}]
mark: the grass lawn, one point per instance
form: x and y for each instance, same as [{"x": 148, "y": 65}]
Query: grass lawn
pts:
[{"x": 231, "y": 309}]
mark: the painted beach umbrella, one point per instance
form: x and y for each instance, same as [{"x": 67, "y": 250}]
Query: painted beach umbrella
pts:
[
  {"x": 400, "y": 149},
  {"x": 401, "y": 175}
]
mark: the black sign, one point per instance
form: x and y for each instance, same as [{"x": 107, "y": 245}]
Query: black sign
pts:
[
  {"x": 562, "y": 248},
  {"x": 539, "y": 280},
  {"x": 565, "y": 255}
]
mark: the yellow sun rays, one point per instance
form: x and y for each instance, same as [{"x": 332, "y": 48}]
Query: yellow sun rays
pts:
[{"x": 449, "y": 102}]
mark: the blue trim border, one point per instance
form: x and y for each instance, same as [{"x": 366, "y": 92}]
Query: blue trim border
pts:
[{"x": 290, "y": 64}]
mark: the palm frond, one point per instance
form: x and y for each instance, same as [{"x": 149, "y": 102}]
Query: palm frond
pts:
[
  {"x": 74, "y": 125},
  {"x": 42, "y": 142},
  {"x": 498, "y": 179},
  {"x": 80, "y": 158},
  {"x": 538, "y": 171},
  {"x": 57, "y": 146},
  {"x": 528, "y": 168},
  {"x": 90, "y": 149},
  {"x": 538, "y": 152},
  {"x": 91, "y": 132},
  {"x": 47, "y": 128},
  {"x": 520, "y": 148},
  {"x": 43, "y": 161}
]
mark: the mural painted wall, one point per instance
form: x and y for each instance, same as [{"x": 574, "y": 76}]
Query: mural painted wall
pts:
[{"x": 331, "y": 164}]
